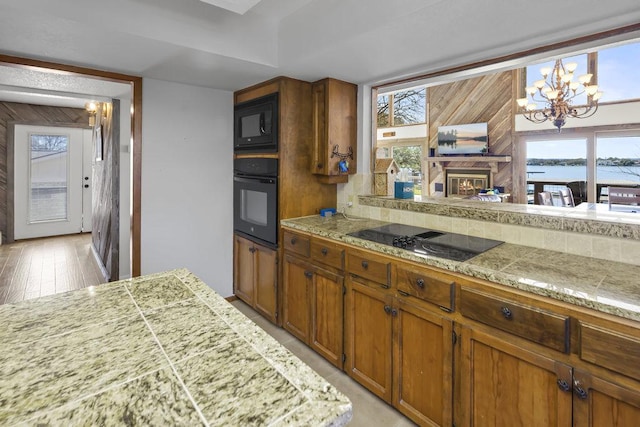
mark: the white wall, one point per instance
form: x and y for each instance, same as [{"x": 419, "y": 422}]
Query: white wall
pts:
[{"x": 187, "y": 168}]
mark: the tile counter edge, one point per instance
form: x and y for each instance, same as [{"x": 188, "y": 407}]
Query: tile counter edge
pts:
[{"x": 328, "y": 229}]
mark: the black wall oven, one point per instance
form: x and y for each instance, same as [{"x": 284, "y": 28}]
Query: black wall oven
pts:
[
  {"x": 255, "y": 199},
  {"x": 256, "y": 125}
]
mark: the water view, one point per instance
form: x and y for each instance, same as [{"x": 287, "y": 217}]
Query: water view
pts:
[{"x": 604, "y": 174}]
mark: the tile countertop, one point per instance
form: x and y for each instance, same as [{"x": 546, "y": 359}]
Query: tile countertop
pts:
[
  {"x": 606, "y": 286},
  {"x": 162, "y": 349}
]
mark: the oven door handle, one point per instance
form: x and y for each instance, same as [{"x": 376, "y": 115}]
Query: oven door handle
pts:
[{"x": 255, "y": 180}]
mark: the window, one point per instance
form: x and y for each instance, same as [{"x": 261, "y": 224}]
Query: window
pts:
[
  {"x": 48, "y": 178},
  {"x": 407, "y": 107},
  {"x": 617, "y": 160},
  {"x": 615, "y": 75},
  {"x": 552, "y": 164}
]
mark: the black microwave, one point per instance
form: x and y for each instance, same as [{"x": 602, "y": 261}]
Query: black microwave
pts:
[{"x": 256, "y": 125}]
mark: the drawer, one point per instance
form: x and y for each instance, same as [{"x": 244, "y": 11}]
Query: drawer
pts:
[
  {"x": 368, "y": 267},
  {"x": 327, "y": 253},
  {"x": 610, "y": 349},
  {"x": 296, "y": 243},
  {"x": 542, "y": 327},
  {"x": 427, "y": 285}
]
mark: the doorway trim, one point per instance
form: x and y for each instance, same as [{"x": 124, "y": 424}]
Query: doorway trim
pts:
[{"x": 136, "y": 130}]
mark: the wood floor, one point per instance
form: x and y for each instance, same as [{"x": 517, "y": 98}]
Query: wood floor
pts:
[{"x": 39, "y": 267}]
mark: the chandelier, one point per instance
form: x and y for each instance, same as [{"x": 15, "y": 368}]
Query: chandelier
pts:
[{"x": 558, "y": 93}]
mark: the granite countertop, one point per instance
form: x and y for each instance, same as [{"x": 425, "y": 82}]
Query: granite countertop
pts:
[
  {"x": 606, "y": 286},
  {"x": 162, "y": 349}
]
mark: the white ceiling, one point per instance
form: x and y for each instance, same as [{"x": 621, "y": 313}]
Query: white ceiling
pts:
[{"x": 195, "y": 42}]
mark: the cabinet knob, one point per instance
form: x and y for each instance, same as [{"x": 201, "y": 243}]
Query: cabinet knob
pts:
[
  {"x": 394, "y": 312},
  {"x": 579, "y": 391},
  {"x": 252, "y": 249},
  {"x": 387, "y": 309},
  {"x": 563, "y": 385},
  {"x": 365, "y": 264},
  {"x": 507, "y": 313},
  {"x": 324, "y": 251},
  {"x": 319, "y": 166},
  {"x": 294, "y": 240},
  {"x": 308, "y": 274},
  {"x": 420, "y": 283}
]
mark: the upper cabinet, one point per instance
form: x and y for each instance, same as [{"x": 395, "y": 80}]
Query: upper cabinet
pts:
[{"x": 334, "y": 130}]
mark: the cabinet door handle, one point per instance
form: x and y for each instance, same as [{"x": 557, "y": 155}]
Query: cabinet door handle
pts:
[
  {"x": 324, "y": 251},
  {"x": 308, "y": 274},
  {"x": 507, "y": 313},
  {"x": 387, "y": 309},
  {"x": 365, "y": 264},
  {"x": 420, "y": 283},
  {"x": 563, "y": 385},
  {"x": 579, "y": 391}
]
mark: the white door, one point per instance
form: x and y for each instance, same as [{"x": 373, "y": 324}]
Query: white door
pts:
[{"x": 49, "y": 180}]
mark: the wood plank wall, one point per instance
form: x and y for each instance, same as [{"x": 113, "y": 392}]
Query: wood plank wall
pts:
[
  {"x": 477, "y": 100},
  {"x": 105, "y": 232},
  {"x": 10, "y": 113}
]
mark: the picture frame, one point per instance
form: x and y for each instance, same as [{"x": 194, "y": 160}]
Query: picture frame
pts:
[{"x": 98, "y": 143}]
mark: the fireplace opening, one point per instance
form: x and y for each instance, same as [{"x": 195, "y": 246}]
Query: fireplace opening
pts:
[{"x": 466, "y": 182}]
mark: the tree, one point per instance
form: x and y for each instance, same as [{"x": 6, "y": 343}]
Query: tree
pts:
[
  {"x": 408, "y": 157},
  {"x": 52, "y": 143},
  {"x": 407, "y": 107}
]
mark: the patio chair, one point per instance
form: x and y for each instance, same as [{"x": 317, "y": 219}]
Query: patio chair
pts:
[
  {"x": 544, "y": 198},
  {"x": 566, "y": 197}
]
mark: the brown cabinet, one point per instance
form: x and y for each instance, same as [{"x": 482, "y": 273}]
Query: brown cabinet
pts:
[
  {"x": 255, "y": 276},
  {"x": 422, "y": 363},
  {"x": 400, "y": 350},
  {"x": 599, "y": 402},
  {"x": 503, "y": 384},
  {"x": 368, "y": 336},
  {"x": 334, "y": 129},
  {"x": 313, "y": 303}
]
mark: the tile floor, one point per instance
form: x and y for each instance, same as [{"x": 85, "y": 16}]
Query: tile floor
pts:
[{"x": 368, "y": 409}]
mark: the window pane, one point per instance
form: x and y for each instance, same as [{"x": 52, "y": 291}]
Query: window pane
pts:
[
  {"x": 410, "y": 157},
  {"x": 533, "y": 74},
  {"x": 618, "y": 161},
  {"x": 615, "y": 77},
  {"x": 409, "y": 107},
  {"x": 383, "y": 111},
  {"x": 551, "y": 165},
  {"x": 48, "y": 177}
]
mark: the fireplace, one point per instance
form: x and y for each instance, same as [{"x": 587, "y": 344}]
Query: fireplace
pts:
[{"x": 466, "y": 182}]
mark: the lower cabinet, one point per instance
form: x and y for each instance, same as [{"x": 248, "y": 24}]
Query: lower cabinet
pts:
[
  {"x": 600, "y": 402},
  {"x": 255, "y": 276},
  {"x": 505, "y": 385},
  {"x": 400, "y": 350},
  {"x": 313, "y": 307}
]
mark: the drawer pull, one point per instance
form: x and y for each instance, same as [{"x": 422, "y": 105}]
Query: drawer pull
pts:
[
  {"x": 579, "y": 391},
  {"x": 563, "y": 385},
  {"x": 365, "y": 264},
  {"x": 324, "y": 251},
  {"x": 507, "y": 313},
  {"x": 420, "y": 283},
  {"x": 387, "y": 309},
  {"x": 294, "y": 240},
  {"x": 308, "y": 274}
]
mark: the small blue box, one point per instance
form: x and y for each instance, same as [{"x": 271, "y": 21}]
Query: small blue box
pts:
[{"x": 403, "y": 190}]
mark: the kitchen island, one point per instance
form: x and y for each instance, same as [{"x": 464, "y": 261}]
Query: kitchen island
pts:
[{"x": 161, "y": 349}]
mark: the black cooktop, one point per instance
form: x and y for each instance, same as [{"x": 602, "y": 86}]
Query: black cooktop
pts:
[{"x": 423, "y": 241}]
